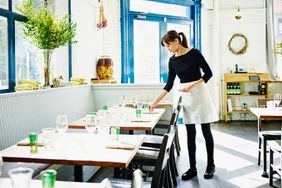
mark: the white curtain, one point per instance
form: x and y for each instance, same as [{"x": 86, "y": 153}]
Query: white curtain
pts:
[{"x": 270, "y": 41}]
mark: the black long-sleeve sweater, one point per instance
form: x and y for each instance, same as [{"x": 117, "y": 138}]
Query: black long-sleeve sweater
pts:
[{"x": 188, "y": 68}]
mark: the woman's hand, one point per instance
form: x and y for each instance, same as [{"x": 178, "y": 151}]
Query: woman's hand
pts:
[
  {"x": 185, "y": 89},
  {"x": 152, "y": 106}
]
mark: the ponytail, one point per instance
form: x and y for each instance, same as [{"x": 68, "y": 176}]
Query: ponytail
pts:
[{"x": 184, "y": 39}]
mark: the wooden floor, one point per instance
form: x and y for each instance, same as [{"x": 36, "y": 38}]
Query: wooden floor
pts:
[{"x": 235, "y": 157}]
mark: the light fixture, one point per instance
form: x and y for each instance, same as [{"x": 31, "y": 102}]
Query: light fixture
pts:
[{"x": 238, "y": 14}]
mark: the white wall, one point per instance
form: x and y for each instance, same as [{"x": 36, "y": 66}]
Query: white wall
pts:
[
  {"x": 93, "y": 43},
  {"x": 218, "y": 26}
]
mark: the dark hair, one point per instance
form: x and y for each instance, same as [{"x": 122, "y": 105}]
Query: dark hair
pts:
[{"x": 171, "y": 35}]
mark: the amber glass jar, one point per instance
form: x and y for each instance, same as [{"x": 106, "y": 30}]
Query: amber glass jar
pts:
[{"x": 105, "y": 68}]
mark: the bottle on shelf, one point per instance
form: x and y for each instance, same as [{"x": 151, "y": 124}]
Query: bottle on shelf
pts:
[
  {"x": 263, "y": 88},
  {"x": 259, "y": 89},
  {"x": 230, "y": 88},
  {"x": 238, "y": 90}
]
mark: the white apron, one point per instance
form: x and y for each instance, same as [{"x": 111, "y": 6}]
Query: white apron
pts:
[{"x": 198, "y": 106}]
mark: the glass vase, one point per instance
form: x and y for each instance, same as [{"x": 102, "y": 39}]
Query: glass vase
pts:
[
  {"x": 47, "y": 53},
  {"x": 105, "y": 68}
]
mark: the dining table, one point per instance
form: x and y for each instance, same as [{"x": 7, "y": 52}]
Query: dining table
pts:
[
  {"x": 7, "y": 183},
  {"x": 267, "y": 114},
  {"x": 146, "y": 123},
  {"x": 78, "y": 149}
]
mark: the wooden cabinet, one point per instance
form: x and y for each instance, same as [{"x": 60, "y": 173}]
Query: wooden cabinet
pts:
[{"x": 250, "y": 89}]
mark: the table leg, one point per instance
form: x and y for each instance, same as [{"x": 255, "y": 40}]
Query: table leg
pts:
[
  {"x": 148, "y": 132},
  {"x": 264, "y": 173},
  {"x": 78, "y": 173}
]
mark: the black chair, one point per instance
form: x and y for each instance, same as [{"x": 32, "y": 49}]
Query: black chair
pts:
[
  {"x": 274, "y": 148},
  {"x": 263, "y": 137},
  {"x": 161, "y": 176},
  {"x": 151, "y": 140}
]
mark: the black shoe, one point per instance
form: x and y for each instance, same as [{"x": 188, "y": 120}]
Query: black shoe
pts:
[
  {"x": 191, "y": 173},
  {"x": 209, "y": 172}
]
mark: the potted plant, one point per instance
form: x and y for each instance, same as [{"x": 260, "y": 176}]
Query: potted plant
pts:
[{"x": 46, "y": 31}]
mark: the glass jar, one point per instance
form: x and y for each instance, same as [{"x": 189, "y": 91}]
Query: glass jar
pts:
[{"x": 105, "y": 68}]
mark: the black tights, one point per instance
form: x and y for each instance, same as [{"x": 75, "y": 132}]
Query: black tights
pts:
[{"x": 191, "y": 137}]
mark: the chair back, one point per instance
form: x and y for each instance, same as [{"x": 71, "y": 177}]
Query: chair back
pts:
[
  {"x": 179, "y": 104},
  {"x": 163, "y": 157}
]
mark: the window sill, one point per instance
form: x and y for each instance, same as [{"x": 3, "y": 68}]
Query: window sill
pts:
[{"x": 42, "y": 91}]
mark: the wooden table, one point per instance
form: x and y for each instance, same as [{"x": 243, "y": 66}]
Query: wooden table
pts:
[
  {"x": 78, "y": 150},
  {"x": 129, "y": 126},
  {"x": 7, "y": 183},
  {"x": 265, "y": 113}
]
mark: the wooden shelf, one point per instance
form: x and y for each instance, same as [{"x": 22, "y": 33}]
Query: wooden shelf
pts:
[
  {"x": 246, "y": 95},
  {"x": 243, "y": 79},
  {"x": 239, "y": 111}
]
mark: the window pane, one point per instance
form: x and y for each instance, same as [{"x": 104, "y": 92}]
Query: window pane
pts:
[
  {"x": 16, "y": 3},
  {"x": 158, "y": 8},
  {"x": 277, "y": 8},
  {"x": 4, "y": 78},
  {"x": 60, "y": 55},
  {"x": 4, "y": 4},
  {"x": 146, "y": 52},
  {"x": 29, "y": 59}
]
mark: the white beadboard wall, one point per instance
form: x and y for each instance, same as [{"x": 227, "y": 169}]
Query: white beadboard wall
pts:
[{"x": 23, "y": 112}]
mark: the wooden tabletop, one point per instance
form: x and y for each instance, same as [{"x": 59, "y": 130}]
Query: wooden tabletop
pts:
[
  {"x": 78, "y": 149},
  {"x": 149, "y": 121},
  {"x": 7, "y": 183},
  {"x": 267, "y": 113}
]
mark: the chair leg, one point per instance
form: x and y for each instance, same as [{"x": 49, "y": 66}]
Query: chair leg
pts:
[
  {"x": 172, "y": 168},
  {"x": 259, "y": 150},
  {"x": 271, "y": 168},
  {"x": 168, "y": 175},
  {"x": 174, "y": 163},
  {"x": 264, "y": 173},
  {"x": 177, "y": 144}
]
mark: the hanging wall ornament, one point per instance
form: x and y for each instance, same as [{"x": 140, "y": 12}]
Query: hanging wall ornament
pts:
[
  {"x": 238, "y": 44},
  {"x": 102, "y": 22}
]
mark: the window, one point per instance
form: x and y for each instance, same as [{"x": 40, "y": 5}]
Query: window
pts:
[
  {"x": 143, "y": 24},
  {"x": 19, "y": 59},
  {"x": 4, "y": 80},
  {"x": 277, "y": 10}
]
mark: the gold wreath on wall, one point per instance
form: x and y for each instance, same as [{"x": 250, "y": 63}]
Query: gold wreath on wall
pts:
[{"x": 241, "y": 50}]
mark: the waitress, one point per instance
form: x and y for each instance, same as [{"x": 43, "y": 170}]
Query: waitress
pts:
[{"x": 198, "y": 108}]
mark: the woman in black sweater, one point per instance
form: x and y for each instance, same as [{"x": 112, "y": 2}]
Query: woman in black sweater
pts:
[{"x": 198, "y": 107}]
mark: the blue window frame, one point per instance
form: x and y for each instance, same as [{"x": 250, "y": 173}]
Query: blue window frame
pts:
[
  {"x": 6, "y": 12},
  {"x": 128, "y": 18}
]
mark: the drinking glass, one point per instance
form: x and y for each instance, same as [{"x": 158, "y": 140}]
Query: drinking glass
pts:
[
  {"x": 134, "y": 102},
  {"x": 91, "y": 123},
  {"x": 48, "y": 134},
  {"x": 277, "y": 99},
  {"x": 48, "y": 178},
  {"x": 62, "y": 123},
  {"x": 21, "y": 177},
  {"x": 33, "y": 140}
]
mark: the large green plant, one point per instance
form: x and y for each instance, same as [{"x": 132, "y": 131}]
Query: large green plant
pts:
[{"x": 44, "y": 29}]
